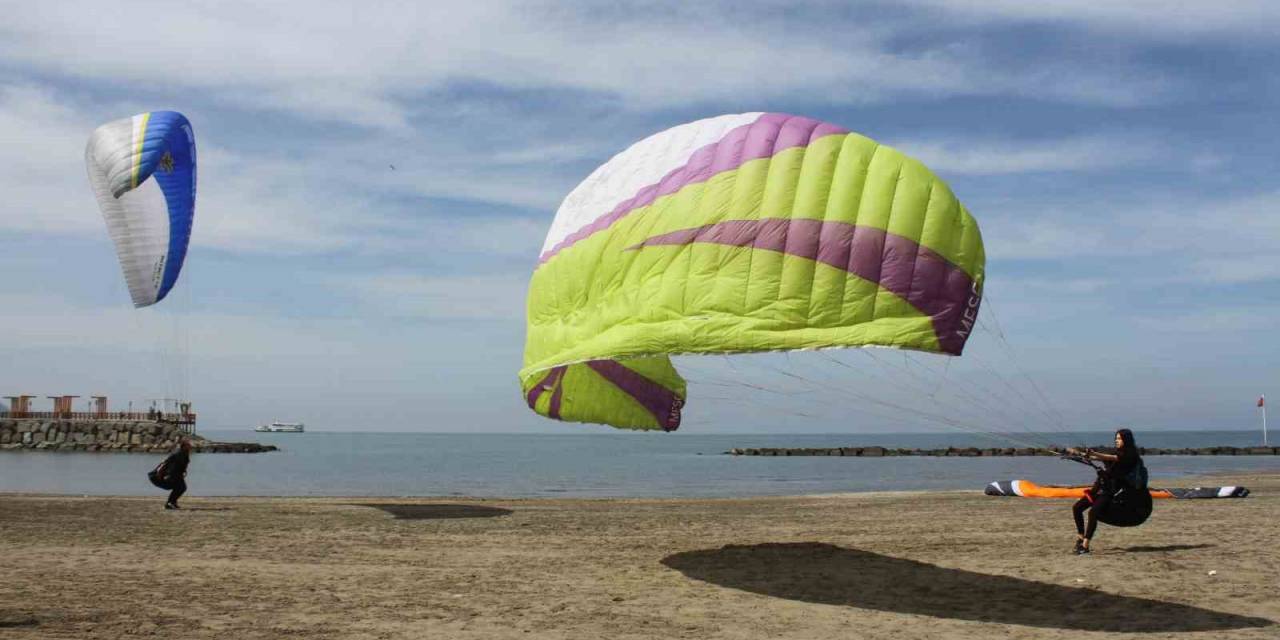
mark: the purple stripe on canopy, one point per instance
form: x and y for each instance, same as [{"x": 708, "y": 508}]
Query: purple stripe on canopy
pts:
[
  {"x": 551, "y": 380},
  {"x": 536, "y": 390},
  {"x": 917, "y": 274},
  {"x": 769, "y": 135},
  {"x": 660, "y": 401},
  {"x": 553, "y": 410}
]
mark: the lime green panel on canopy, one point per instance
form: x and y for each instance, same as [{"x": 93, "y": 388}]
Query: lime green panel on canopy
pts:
[{"x": 741, "y": 233}]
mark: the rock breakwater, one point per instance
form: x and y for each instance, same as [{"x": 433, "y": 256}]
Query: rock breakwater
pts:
[{"x": 110, "y": 436}]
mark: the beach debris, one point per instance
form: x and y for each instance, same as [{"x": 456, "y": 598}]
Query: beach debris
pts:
[{"x": 1213, "y": 572}]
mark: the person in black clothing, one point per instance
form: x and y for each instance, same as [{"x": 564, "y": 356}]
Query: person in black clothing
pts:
[
  {"x": 172, "y": 473},
  {"x": 1112, "y": 479}
]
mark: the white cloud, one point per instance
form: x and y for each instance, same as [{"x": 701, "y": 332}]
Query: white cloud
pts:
[
  {"x": 363, "y": 63},
  {"x": 1211, "y": 228},
  {"x": 256, "y": 204},
  {"x": 408, "y": 295},
  {"x": 1218, "y": 321},
  {"x": 268, "y": 202},
  {"x": 552, "y": 152},
  {"x": 1080, "y": 154},
  {"x": 1237, "y": 270},
  {"x": 243, "y": 202},
  {"x": 1040, "y": 234},
  {"x": 1041, "y": 287},
  {"x": 365, "y": 66},
  {"x": 359, "y": 372},
  {"x": 1137, "y": 18},
  {"x": 1128, "y": 280},
  {"x": 42, "y": 145},
  {"x": 45, "y": 321}
]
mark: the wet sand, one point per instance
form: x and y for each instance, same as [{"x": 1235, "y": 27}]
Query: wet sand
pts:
[{"x": 906, "y": 565}]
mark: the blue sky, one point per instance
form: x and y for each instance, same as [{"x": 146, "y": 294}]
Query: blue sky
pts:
[{"x": 1121, "y": 161}]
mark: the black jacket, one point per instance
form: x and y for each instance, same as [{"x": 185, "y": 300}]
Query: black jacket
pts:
[
  {"x": 175, "y": 466},
  {"x": 1117, "y": 474}
]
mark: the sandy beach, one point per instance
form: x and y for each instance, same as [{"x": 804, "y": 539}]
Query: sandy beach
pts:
[{"x": 943, "y": 565}]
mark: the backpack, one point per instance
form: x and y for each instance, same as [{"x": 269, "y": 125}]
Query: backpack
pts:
[
  {"x": 159, "y": 475},
  {"x": 1137, "y": 479},
  {"x": 1131, "y": 503}
]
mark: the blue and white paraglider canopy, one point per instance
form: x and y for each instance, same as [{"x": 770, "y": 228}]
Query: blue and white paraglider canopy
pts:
[{"x": 143, "y": 172}]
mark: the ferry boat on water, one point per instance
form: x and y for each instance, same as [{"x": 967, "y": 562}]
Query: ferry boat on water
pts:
[{"x": 280, "y": 427}]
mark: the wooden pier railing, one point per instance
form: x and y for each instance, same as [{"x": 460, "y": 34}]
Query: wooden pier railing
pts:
[{"x": 187, "y": 420}]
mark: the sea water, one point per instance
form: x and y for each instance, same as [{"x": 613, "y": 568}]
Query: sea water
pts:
[{"x": 603, "y": 464}]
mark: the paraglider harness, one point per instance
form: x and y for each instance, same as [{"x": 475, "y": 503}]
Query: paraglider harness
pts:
[
  {"x": 159, "y": 476},
  {"x": 1130, "y": 500}
]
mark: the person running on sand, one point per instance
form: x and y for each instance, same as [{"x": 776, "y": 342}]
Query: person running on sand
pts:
[
  {"x": 172, "y": 473},
  {"x": 1112, "y": 479}
]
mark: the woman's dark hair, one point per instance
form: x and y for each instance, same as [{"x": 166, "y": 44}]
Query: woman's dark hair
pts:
[{"x": 1126, "y": 436}]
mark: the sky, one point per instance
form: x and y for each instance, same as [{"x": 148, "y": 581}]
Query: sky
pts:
[{"x": 377, "y": 178}]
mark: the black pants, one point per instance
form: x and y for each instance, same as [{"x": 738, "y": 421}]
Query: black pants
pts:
[
  {"x": 1101, "y": 501},
  {"x": 179, "y": 486}
]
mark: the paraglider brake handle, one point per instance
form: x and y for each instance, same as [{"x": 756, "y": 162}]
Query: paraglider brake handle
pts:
[{"x": 1079, "y": 458}]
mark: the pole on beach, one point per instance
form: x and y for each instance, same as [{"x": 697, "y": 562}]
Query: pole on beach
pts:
[{"x": 1262, "y": 404}]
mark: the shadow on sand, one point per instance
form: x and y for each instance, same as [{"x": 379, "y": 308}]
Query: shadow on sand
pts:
[
  {"x": 12, "y": 619},
  {"x": 404, "y": 511},
  {"x": 827, "y": 574},
  {"x": 1167, "y": 547}
]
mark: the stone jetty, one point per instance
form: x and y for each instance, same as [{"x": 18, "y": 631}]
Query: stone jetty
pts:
[
  {"x": 111, "y": 436},
  {"x": 974, "y": 452}
]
